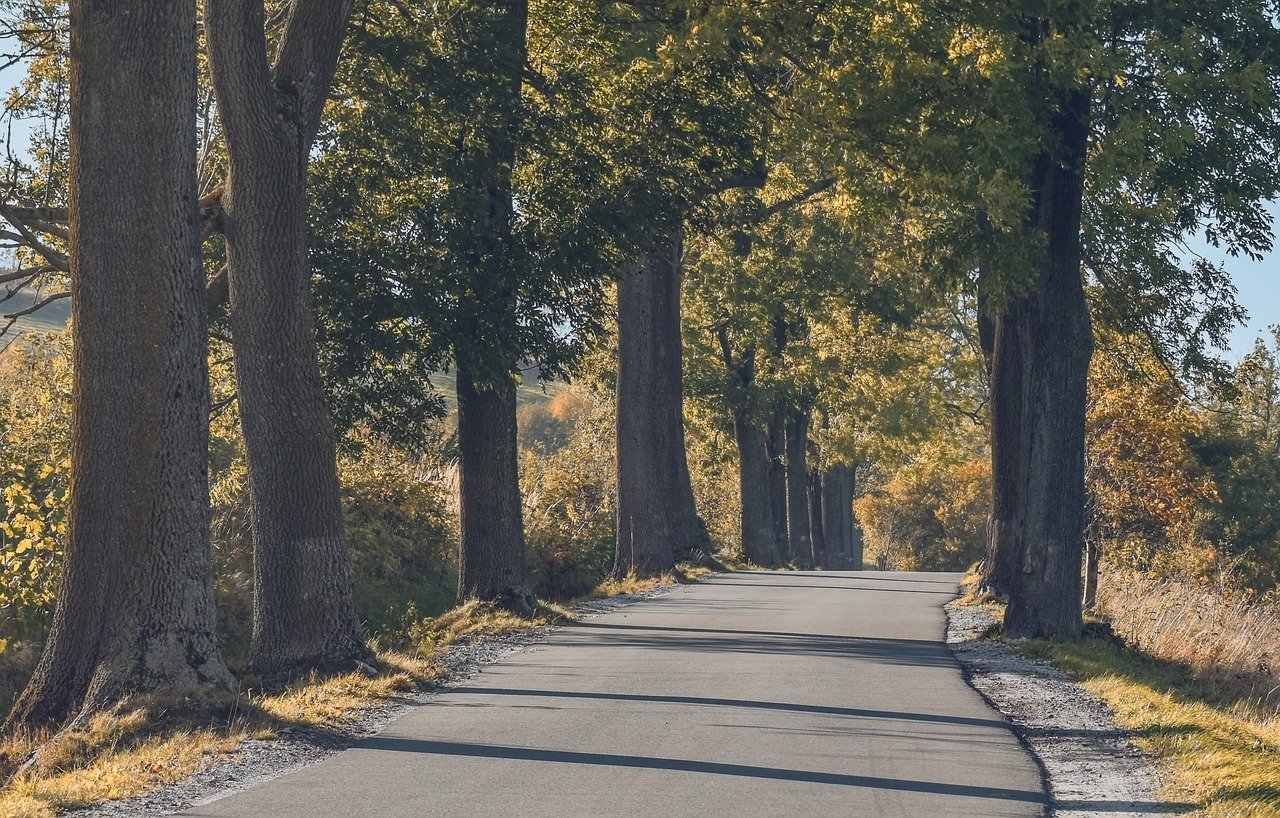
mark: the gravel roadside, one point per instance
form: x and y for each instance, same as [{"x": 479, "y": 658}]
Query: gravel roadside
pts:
[{"x": 1089, "y": 763}]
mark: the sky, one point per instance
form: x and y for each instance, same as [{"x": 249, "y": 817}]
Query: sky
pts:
[{"x": 1258, "y": 290}]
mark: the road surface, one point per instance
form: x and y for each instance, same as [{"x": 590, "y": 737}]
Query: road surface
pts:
[{"x": 747, "y": 694}]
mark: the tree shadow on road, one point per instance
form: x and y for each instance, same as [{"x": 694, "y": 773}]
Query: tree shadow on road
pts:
[
  {"x": 910, "y": 652},
  {"x": 408, "y": 745},
  {"x": 750, "y": 704}
]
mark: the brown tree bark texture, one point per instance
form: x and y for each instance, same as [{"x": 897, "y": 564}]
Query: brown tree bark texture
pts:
[
  {"x": 817, "y": 532},
  {"x": 135, "y": 611},
  {"x": 837, "y": 513},
  {"x": 776, "y": 449},
  {"x": 759, "y": 540},
  {"x": 1040, "y": 366},
  {"x": 656, "y": 517},
  {"x": 304, "y": 613},
  {"x": 492, "y": 564},
  {"x": 798, "y": 532}
]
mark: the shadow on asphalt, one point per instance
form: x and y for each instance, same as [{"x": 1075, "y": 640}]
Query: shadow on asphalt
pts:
[
  {"x": 406, "y": 745},
  {"x": 810, "y": 586},
  {"x": 856, "y": 576},
  {"x": 911, "y": 652},
  {"x": 855, "y": 712}
]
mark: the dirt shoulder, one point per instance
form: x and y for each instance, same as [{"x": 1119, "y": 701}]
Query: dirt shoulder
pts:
[{"x": 1089, "y": 763}]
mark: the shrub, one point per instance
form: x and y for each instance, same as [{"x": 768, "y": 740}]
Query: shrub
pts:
[
  {"x": 569, "y": 497},
  {"x": 930, "y": 515}
]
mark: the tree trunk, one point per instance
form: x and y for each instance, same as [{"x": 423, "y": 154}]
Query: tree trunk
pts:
[
  {"x": 776, "y": 449},
  {"x": 759, "y": 545},
  {"x": 304, "y": 613},
  {"x": 656, "y": 516},
  {"x": 1092, "y": 556},
  {"x": 1040, "y": 368},
  {"x": 821, "y": 552},
  {"x": 135, "y": 609},
  {"x": 857, "y": 542},
  {"x": 799, "y": 535},
  {"x": 759, "y": 540},
  {"x": 492, "y": 564},
  {"x": 837, "y": 516}
]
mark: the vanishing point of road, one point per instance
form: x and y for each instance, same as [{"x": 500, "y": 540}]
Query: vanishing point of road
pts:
[{"x": 776, "y": 693}]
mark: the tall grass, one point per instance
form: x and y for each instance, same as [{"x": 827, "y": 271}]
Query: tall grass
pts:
[{"x": 1231, "y": 645}]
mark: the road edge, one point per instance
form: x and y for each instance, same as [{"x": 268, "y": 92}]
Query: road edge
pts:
[{"x": 1088, "y": 763}]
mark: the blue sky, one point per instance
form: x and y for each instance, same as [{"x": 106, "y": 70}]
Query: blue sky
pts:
[{"x": 1258, "y": 290}]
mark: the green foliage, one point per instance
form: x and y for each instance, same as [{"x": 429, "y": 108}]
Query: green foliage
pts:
[
  {"x": 569, "y": 494},
  {"x": 396, "y": 507},
  {"x": 34, "y": 468}
]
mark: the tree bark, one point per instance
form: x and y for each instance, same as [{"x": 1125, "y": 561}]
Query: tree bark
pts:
[
  {"x": 837, "y": 516},
  {"x": 798, "y": 531},
  {"x": 857, "y": 542},
  {"x": 1092, "y": 559},
  {"x": 1040, "y": 366},
  {"x": 759, "y": 545},
  {"x": 776, "y": 449},
  {"x": 821, "y": 552},
  {"x": 656, "y": 516},
  {"x": 135, "y": 610},
  {"x": 304, "y": 613},
  {"x": 759, "y": 539},
  {"x": 492, "y": 564}
]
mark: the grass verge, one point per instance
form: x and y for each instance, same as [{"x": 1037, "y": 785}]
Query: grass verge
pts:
[
  {"x": 1224, "y": 758},
  {"x": 146, "y": 744}
]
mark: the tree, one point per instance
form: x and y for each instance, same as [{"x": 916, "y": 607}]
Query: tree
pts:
[
  {"x": 304, "y": 614},
  {"x": 425, "y": 261},
  {"x": 1106, "y": 198},
  {"x": 656, "y": 516},
  {"x": 135, "y": 611}
]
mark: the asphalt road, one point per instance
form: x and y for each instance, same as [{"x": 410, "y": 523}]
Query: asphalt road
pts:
[{"x": 747, "y": 694}]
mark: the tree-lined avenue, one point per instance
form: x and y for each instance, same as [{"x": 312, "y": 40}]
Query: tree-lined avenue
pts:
[{"x": 761, "y": 693}]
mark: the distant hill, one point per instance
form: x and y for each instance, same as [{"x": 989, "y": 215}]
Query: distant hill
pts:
[{"x": 51, "y": 318}]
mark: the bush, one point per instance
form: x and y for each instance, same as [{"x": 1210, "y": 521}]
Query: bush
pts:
[
  {"x": 931, "y": 514},
  {"x": 403, "y": 536},
  {"x": 569, "y": 497}
]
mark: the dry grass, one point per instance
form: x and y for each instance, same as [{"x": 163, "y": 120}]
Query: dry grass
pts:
[
  {"x": 1230, "y": 645},
  {"x": 635, "y": 584},
  {"x": 1195, "y": 676},
  {"x": 1225, "y": 760},
  {"x": 144, "y": 745}
]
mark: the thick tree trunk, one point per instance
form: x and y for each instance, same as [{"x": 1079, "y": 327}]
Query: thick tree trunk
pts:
[
  {"x": 817, "y": 532},
  {"x": 135, "y": 610},
  {"x": 492, "y": 564},
  {"x": 776, "y": 449},
  {"x": 1040, "y": 368},
  {"x": 759, "y": 545},
  {"x": 656, "y": 516},
  {"x": 759, "y": 540},
  {"x": 798, "y": 531},
  {"x": 304, "y": 613}
]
